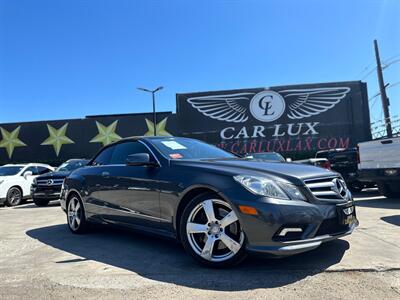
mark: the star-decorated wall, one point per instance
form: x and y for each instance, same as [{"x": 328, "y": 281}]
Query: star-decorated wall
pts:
[
  {"x": 56, "y": 141},
  {"x": 336, "y": 116}
]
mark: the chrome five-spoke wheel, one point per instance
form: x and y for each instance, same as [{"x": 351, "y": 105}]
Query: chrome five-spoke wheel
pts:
[
  {"x": 74, "y": 213},
  {"x": 213, "y": 231}
]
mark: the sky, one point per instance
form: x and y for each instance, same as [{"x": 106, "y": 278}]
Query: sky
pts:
[{"x": 68, "y": 59}]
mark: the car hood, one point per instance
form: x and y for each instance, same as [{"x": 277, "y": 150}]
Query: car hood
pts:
[
  {"x": 54, "y": 175},
  {"x": 289, "y": 171}
]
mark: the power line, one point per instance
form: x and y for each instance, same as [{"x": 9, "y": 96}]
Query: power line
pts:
[
  {"x": 365, "y": 69},
  {"x": 368, "y": 74},
  {"x": 386, "y": 64},
  {"x": 392, "y": 57}
]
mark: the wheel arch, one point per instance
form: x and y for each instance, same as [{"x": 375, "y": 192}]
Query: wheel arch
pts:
[
  {"x": 187, "y": 195},
  {"x": 16, "y": 186},
  {"x": 70, "y": 193},
  {"x": 7, "y": 192},
  {"x": 74, "y": 185}
]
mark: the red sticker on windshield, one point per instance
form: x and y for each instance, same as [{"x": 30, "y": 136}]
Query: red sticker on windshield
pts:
[{"x": 175, "y": 155}]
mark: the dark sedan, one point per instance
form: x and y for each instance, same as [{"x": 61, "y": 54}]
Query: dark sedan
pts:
[
  {"x": 47, "y": 187},
  {"x": 217, "y": 205}
]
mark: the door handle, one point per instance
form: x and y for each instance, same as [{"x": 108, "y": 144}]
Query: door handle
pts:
[{"x": 105, "y": 174}]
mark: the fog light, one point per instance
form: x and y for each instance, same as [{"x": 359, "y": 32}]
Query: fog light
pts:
[
  {"x": 391, "y": 172},
  {"x": 285, "y": 231}
]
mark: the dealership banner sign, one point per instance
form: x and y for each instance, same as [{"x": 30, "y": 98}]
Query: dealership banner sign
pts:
[
  {"x": 295, "y": 120},
  {"x": 288, "y": 119}
]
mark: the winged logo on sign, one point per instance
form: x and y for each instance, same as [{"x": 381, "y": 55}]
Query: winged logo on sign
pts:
[
  {"x": 269, "y": 105},
  {"x": 230, "y": 107}
]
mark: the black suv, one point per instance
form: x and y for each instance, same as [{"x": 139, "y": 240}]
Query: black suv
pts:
[
  {"x": 46, "y": 188},
  {"x": 344, "y": 161}
]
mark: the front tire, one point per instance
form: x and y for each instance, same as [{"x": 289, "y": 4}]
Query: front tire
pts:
[
  {"x": 76, "y": 217},
  {"x": 41, "y": 202},
  {"x": 211, "y": 233},
  {"x": 14, "y": 196}
]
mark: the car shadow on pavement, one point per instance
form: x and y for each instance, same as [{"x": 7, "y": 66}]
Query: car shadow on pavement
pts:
[
  {"x": 164, "y": 260},
  {"x": 33, "y": 205},
  {"x": 394, "y": 220}
]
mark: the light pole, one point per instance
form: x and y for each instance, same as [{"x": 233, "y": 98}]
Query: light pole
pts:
[{"x": 154, "y": 105}]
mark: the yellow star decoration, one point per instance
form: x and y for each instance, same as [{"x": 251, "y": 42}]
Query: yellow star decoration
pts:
[
  {"x": 57, "y": 138},
  {"x": 107, "y": 134},
  {"x": 160, "y": 128},
  {"x": 10, "y": 140}
]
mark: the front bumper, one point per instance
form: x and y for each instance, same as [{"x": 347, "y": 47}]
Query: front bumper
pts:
[
  {"x": 299, "y": 246},
  {"x": 53, "y": 193},
  {"x": 379, "y": 175},
  {"x": 319, "y": 221}
]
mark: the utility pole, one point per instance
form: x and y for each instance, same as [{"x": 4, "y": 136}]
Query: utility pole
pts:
[{"x": 382, "y": 87}]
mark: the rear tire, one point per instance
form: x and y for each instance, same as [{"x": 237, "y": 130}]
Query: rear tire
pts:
[
  {"x": 76, "y": 218},
  {"x": 14, "y": 196},
  {"x": 389, "y": 191},
  {"x": 41, "y": 202},
  {"x": 211, "y": 233}
]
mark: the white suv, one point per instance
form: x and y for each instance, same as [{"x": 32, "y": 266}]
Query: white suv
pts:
[{"x": 16, "y": 180}]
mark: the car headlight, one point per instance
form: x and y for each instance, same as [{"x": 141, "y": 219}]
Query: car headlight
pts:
[
  {"x": 34, "y": 182},
  {"x": 266, "y": 187}
]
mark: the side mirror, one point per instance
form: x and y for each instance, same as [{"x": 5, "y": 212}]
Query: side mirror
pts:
[
  {"x": 27, "y": 174},
  {"x": 139, "y": 159}
]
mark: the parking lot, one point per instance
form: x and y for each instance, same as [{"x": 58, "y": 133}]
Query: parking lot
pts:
[{"x": 40, "y": 258}]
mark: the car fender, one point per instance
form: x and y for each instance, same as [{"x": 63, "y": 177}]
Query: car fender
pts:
[
  {"x": 4, "y": 187},
  {"x": 183, "y": 197},
  {"x": 75, "y": 184},
  {"x": 9, "y": 186},
  {"x": 9, "y": 183},
  {"x": 201, "y": 186}
]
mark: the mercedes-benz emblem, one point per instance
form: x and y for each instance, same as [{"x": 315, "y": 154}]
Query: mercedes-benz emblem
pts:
[
  {"x": 339, "y": 187},
  {"x": 50, "y": 182}
]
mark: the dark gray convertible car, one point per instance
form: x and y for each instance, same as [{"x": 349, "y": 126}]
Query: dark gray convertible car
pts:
[{"x": 217, "y": 205}]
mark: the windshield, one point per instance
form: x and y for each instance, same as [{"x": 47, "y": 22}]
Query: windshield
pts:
[
  {"x": 8, "y": 171},
  {"x": 72, "y": 165},
  {"x": 183, "y": 148},
  {"x": 267, "y": 156}
]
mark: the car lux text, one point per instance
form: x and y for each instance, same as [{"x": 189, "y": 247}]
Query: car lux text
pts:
[{"x": 292, "y": 137}]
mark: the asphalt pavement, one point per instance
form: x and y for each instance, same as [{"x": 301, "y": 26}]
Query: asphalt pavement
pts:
[{"x": 41, "y": 259}]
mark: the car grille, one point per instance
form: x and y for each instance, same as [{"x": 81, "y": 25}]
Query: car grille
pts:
[
  {"x": 50, "y": 182},
  {"x": 324, "y": 188}
]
